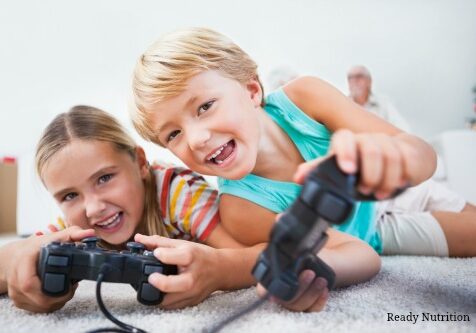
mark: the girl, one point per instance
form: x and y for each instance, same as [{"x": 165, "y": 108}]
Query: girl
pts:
[
  {"x": 103, "y": 184},
  {"x": 198, "y": 94}
]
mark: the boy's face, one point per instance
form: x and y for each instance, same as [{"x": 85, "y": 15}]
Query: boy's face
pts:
[
  {"x": 96, "y": 186},
  {"x": 212, "y": 126}
]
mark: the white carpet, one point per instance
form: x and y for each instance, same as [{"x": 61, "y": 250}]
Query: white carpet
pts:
[{"x": 405, "y": 284}]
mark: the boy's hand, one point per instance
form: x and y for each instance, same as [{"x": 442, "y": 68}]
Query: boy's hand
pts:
[
  {"x": 312, "y": 294},
  {"x": 19, "y": 270},
  {"x": 196, "y": 264},
  {"x": 385, "y": 163}
]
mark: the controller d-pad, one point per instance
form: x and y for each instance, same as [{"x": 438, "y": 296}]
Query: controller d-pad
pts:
[
  {"x": 60, "y": 261},
  {"x": 54, "y": 283}
]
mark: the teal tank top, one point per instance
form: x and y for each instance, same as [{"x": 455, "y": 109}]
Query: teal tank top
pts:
[{"x": 312, "y": 140}]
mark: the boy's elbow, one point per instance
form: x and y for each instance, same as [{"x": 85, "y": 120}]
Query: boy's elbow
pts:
[{"x": 375, "y": 264}]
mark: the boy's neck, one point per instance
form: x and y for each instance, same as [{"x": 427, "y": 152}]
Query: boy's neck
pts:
[{"x": 278, "y": 157}]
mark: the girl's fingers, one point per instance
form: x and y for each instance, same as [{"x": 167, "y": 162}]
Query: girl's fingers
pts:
[
  {"x": 152, "y": 242},
  {"x": 171, "y": 283},
  {"x": 180, "y": 256},
  {"x": 177, "y": 301}
]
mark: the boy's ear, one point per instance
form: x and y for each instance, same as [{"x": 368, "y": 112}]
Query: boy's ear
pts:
[
  {"x": 255, "y": 91},
  {"x": 142, "y": 162}
]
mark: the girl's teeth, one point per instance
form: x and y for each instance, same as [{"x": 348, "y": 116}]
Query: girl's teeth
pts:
[{"x": 109, "y": 220}]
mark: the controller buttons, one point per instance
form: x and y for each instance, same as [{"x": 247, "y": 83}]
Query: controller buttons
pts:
[
  {"x": 149, "y": 269},
  {"x": 135, "y": 247},
  {"x": 149, "y": 293},
  {"x": 333, "y": 208},
  {"x": 54, "y": 283},
  {"x": 260, "y": 270},
  {"x": 57, "y": 261}
]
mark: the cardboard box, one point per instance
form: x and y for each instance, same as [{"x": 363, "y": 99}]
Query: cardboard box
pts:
[{"x": 8, "y": 197}]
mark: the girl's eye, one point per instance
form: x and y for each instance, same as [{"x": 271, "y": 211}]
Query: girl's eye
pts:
[
  {"x": 205, "y": 107},
  {"x": 104, "y": 178},
  {"x": 172, "y": 135},
  {"x": 69, "y": 196}
]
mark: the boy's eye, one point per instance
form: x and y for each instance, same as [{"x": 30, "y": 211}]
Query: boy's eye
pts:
[
  {"x": 70, "y": 196},
  {"x": 172, "y": 135},
  {"x": 205, "y": 107},
  {"x": 104, "y": 178}
]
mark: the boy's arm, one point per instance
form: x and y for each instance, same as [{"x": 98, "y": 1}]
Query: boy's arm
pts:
[
  {"x": 353, "y": 260},
  {"x": 245, "y": 221},
  {"x": 367, "y": 136}
]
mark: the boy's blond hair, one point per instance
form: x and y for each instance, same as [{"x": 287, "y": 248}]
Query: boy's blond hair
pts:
[{"x": 163, "y": 70}]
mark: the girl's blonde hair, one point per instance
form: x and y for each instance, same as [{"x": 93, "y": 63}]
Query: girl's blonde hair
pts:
[
  {"x": 89, "y": 123},
  {"x": 163, "y": 70}
]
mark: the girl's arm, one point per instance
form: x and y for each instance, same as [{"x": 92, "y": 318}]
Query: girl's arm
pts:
[
  {"x": 387, "y": 157},
  {"x": 18, "y": 270}
]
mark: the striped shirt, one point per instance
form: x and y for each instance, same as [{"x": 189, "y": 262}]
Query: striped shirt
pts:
[{"x": 188, "y": 204}]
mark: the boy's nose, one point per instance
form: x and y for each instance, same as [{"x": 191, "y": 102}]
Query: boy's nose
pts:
[{"x": 198, "y": 138}]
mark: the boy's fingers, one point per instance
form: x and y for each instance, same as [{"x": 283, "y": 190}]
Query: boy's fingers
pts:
[
  {"x": 320, "y": 303},
  {"x": 304, "y": 169},
  {"x": 344, "y": 146}
]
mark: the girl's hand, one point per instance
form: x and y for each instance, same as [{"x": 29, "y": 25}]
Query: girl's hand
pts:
[
  {"x": 197, "y": 266},
  {"x": 312, "y": 294},
  {"x": 19, "y": 269},
  {"x": 385, "y": 163}
]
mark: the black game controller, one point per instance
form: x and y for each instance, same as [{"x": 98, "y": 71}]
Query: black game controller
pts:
[
  {"x": 327, "y": 197},
  {"x": 62, "y": 264}
]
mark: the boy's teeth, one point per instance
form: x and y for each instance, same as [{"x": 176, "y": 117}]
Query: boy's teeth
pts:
[{"x": 219, "y": 150}]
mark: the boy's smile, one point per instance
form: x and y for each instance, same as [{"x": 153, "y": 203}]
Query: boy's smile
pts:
[{"x": 212, "y": 126}]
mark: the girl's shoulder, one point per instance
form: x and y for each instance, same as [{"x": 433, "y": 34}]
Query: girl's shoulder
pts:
[{"x": 189, "y": 205}]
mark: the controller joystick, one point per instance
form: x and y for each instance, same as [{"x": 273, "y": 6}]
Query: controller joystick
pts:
[
  {"x": 90, "y": 242},
  {"x": 62, "y": 264},
  {"x": 135, "y": 247}
]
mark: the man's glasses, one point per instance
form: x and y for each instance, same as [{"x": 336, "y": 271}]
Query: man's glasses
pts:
[{"x": 356, "y": 76}]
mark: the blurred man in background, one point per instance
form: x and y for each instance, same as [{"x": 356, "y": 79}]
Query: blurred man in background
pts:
[{"x": 360, "y": 89}]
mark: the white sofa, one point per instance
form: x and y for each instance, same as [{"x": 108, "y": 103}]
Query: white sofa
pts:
[{"x": 457, "y": 161}]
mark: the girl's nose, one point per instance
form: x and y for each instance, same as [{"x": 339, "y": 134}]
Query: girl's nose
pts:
[{"x": 94, "y": 206}]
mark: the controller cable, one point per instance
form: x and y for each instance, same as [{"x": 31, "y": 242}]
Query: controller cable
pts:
[
  {"x": 123, "y": 327},
  {"x": 275, "y": 269}
]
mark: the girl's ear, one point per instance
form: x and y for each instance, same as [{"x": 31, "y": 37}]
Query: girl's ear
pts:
[
  {"x": 256, "y": 92},
  {"x": 142, "y": 162}
]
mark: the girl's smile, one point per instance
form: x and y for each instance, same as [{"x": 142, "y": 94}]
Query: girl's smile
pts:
[{"x": 103, "y": 188}]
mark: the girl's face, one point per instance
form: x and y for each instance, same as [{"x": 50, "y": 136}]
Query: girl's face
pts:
[
  {"x": 96, "y": 186},
  {"x": 213, "y": 125}
]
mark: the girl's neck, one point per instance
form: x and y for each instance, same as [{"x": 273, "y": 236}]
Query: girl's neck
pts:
[{"x": 278, "y": 156}]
